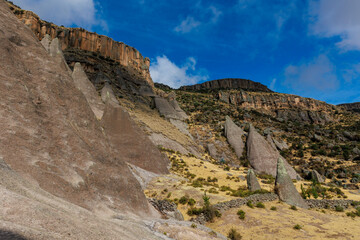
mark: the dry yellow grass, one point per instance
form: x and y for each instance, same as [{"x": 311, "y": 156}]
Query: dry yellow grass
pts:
[{"x": 266, "y": 224}]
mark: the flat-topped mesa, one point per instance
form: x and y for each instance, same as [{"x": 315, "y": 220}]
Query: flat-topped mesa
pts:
[
  {"x": 79, "y": 38},
  {"x": 228, "y": 83},
  {"x": 351, "y": 106}
]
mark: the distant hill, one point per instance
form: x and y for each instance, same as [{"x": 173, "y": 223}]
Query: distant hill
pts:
[{"x": 228, "y": 83}]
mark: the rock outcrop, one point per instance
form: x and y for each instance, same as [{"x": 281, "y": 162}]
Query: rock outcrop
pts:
[
  {"x": 263, "y": 157},
  {"x": 252, "y": 182},
  {"x": 49, "y": 133},
  {"x": 284, "y": 107},
  {"x": 234, "y": 135},
  {"x": 128, "y": 140},
  {"x": 285, "y": 187},
  {"x": 87, "y": 88},
  {"x": 78, "y": 38},
  {"x": 228, "y": 83},
  {"x": 351, "y": 106}
]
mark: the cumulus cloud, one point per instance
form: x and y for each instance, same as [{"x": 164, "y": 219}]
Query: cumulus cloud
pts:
[
  {"x": 164, "y": 71},
  {"x": 331, "y": 18},
  {"x": 82, "y": 13},
  {"x": 317, "y": 75}
]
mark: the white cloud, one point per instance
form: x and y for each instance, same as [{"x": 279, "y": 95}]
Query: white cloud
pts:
[
  {"x": 187, "y": 25},
  {"x": 317, "y": 75},
  {"x": 65, "y": 12},
  {"x": 164, "y": 71},
  {"x": 272, "y": 84},
  {"x": 331, "y": 18}
]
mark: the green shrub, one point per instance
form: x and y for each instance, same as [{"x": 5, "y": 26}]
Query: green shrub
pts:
[
  {"x": 297, "y": 227},
  {"x": 339, "y": 208},
  {"x": 250, "y": 204},
  {"x": 241, "y": 214},
  {"x": 293, "y": 208},
  {"x": 234, "y": 235},
  {"x": 260, "y": 205}
]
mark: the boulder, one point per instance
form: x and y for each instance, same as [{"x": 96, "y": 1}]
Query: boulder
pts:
[
  {"x": 315, "y": 176},
  {"x": 234, "y": 135},
  {"x": 252, "y": 182},
  {"x": 285, "y": 188},
  {"x": 87, "y": 88},
  {"x": 263, "y": 157}
]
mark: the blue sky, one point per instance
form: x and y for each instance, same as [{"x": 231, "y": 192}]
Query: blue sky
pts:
[{"x": 306, "y": 47}]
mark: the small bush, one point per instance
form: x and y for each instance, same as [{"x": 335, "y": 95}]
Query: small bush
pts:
[
  {"x": 260, "y": 205},
  {"x": 297, "y": 227},
  {"x": 234, "y": 235},
  {"x": 250, "y": 204},
  {"x": 273, "y": 208},
  {"x": 183, "y": 200},
  {"x": 339, "y": 209},
  {"x": 241, "y": 214},
  {"x": 293, "y": 208}
]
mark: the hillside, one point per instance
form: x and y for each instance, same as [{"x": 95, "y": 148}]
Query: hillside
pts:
[{"x": 91, "y": 148}]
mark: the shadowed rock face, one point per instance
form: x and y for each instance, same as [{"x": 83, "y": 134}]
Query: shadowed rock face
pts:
[
  {"x": 262, "y": 156},
  {"x": 351, "y": 106},
  {"x": 50, "y": 134},
  {"x": 285, "y": 187},
  {"x": 234, "y": 135},
  {"x": 228, "y": 83},
  {"x": 252, "y": 181}
]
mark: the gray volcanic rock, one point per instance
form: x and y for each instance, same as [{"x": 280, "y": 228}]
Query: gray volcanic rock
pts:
[
  {"x": 228, "y": 83},
  {"x": 87, "y": 88},
  {"x": 252, "y": 181},
  {"x": 46, "y": 42},
  {"x": 263, "y": 157},
  {"x": 130, "y": 143},
  {"x": 234, "y": 135},
  {"x": 315, "y": 176},
  {"x": 285, "y": 187},
  {"x": 107, "y": 95}
]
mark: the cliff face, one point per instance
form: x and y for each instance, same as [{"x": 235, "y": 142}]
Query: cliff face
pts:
[
  {"x": 283, "y": 106},
  {"x": 351, "y": 106},
  {"x": 228, "y": 83},
  {"x": 78, "y": 38}
]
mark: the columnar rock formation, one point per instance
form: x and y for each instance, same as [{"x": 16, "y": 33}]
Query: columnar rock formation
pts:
[
  {"x": 228, "y": 83},
  {"x": 285, "y": 187},
  {"x": 252, "y": 182},
  {"x": 49, "y": 134},
  {"x": 79, "y": 38},
  {"x": 234, "y": 135},
  {"x": 262, "y": 156},
  {"x": 281, "y": 106}
]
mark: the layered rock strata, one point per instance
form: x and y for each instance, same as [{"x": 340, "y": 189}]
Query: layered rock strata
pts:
[
  {"x": 228, "y": 83},
  {"x": 78, "y": 38},
  {"x": 282, "y": 106}
]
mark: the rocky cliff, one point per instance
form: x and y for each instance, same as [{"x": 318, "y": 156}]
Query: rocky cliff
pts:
[
  {"x": 351, "y": 106},
  {"x": 282, "y": 106},
  {"x": 228, "y": 83},
  {"x": 78, "y": 38}
]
